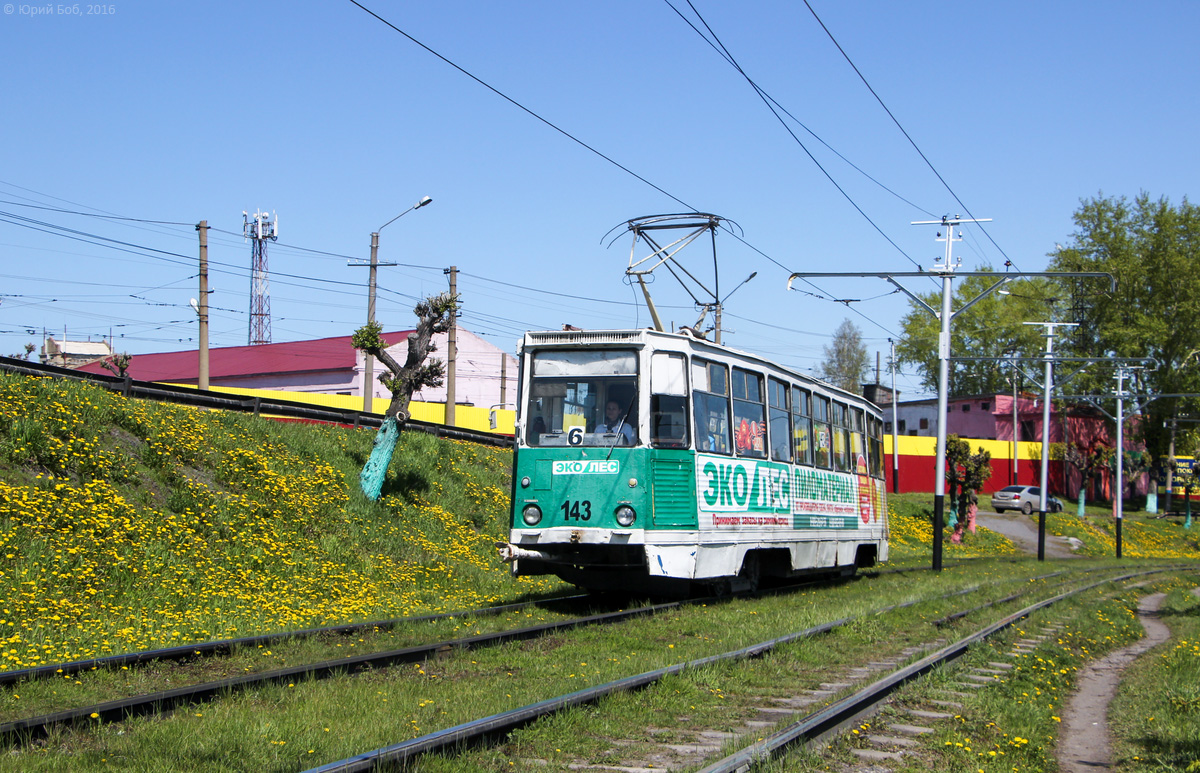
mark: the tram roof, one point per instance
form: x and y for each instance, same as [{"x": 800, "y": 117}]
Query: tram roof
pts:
[{"x": 647, "y": 336}]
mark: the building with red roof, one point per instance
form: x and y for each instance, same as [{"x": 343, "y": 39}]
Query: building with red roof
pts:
[{"x": 484, "y": 375}]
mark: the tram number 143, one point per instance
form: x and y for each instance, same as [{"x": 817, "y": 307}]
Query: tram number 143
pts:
[{"x": 576, "y": 510}]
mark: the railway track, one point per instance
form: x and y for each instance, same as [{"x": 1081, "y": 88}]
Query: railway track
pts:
[
  {"x": 693, "y": 748},
  {"x": 32, "y": 728},
  {"x": 485, "y": 729},
  {"x": 25, "y": 730},
  {"x": 225, "y": 646}
]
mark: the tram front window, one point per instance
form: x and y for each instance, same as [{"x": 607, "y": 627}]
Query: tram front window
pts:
[{"x": 582, "y": 398}]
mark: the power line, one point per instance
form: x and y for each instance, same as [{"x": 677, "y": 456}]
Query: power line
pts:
[
  {"x": 911, "y": 141},
  {"x": 93, "y": 214},
  {"x": 721, "y": 49}
]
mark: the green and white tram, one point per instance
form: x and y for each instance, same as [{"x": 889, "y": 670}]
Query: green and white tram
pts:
[{"x": 657, "y": 462}]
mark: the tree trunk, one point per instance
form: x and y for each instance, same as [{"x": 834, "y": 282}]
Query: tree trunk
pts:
[
  {"x": 375, "y": 470},
  {"x": 1082, "y": 499}
]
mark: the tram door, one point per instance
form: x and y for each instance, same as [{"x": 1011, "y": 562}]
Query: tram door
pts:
[{"x": 672, "y": 468}]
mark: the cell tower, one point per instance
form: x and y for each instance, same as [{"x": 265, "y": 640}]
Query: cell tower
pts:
[{"x": 258, "y": 228}]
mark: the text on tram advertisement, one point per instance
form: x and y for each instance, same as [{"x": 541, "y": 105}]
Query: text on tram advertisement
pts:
[{"x": 749, "y": 492}]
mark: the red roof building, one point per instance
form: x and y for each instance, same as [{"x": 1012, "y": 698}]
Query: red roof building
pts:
[{"x": 331, "y": 366}]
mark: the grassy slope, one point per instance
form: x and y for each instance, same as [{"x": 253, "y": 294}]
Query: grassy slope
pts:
[{"x": 127, "y": 525}]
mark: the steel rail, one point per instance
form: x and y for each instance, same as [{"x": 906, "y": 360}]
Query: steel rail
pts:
[
  {"x": 850, "y": 709},
  {"x": 504, "y": 722},
  {"x": 223, "y": 646},
  {"x": 141, "y": 705}
]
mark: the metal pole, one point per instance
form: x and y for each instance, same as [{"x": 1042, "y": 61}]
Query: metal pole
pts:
[
  {"x": 1120, "y": 485},
  {"x": 939, "y": 483},
  {"x": 1016, "y": 422},
  {"x": 895, "y": 427},
  {"x": 1048, "y": 390},
  {"x": 368, "y": 360},
  {"x": 202, "y": 307}
]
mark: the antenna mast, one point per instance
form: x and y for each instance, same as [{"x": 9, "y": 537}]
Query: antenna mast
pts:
[{"x": 258, "y": 229}]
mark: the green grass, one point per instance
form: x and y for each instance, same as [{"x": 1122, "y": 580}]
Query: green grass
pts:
[
  {"x": 1157, "y": 709},
  {"x": 127, "y": 525}
]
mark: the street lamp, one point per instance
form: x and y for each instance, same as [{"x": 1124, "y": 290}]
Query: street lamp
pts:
[{"x": 368, "y": 360}]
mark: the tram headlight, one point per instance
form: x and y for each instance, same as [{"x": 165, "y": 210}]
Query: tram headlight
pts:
[
  {"x": 626, "y": 515},
  {"x": 532, "y": 514}
]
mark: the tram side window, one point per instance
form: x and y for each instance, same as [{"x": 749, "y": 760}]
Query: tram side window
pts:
[
  {"x": 749, "y": 414},
  {"x": 710, "y": 406},
  {"x": 584, "y": 398},
  {"x": 780, "y": 428},
  {"x": 802, "y": 426},
  {"x": 875, "y": 446},
  {"x": 858, "y": 440},
  {"x": 668, "y": 401},
  {"x": 822, "y": 436},
  {"x": 841, "y": 438}
]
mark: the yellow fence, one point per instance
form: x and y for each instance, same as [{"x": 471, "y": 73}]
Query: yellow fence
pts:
[{"x": 465, "y": 416}]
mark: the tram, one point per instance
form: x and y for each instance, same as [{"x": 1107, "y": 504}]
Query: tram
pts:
[{"x": 660, "y": 462}]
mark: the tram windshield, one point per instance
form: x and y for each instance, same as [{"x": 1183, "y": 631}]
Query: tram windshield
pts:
[{"x": 582, "y": 398}]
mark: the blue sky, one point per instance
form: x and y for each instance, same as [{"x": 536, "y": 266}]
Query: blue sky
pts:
[{"x": 179, "y": 112}]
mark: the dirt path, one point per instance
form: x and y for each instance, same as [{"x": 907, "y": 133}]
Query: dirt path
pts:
[
  {"x": 1023, "y": 531},
  {"x": 1083, "y": 744}
]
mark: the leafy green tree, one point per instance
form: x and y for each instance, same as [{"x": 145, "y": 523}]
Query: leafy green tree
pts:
[
  {"x": 846, "y": 359},
  {"x": 1088, "y": 458},
  {"x": 1152, "y": 249},
  {"x": 993, "y": 327},
  {"x": 966, "y": 473}
]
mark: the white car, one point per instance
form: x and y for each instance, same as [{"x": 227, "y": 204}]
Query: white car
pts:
[{"x": 1024, "y": 498}]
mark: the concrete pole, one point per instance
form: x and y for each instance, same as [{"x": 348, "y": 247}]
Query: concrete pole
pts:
[
  {"x": 451, "y": 349},
  {"x": 368, "y": 360},
  {"x": 202, "y": 307}
]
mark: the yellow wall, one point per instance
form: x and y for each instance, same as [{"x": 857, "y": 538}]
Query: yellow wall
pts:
[
  {"x": 465, "y": 416},
  {"x": 927, "y": 446}
]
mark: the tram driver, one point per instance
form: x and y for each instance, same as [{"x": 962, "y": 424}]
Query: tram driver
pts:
[{"x": 615, "y": 423}]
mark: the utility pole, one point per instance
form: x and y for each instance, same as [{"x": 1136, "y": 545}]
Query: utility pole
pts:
[
  {"x": 202, "y": 306},
  {"x": 368, "y": 360},
  {"x": 947, "y": 274},
  {"x": 1120, "y": 483},
  {"x": 451, "y": 347},
  {"x": 1016, "y": 420},
  {"x": 1047, "y": 390},
  {"x": 895, "y": 426},
  {"x": 503, "y": 378}
]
